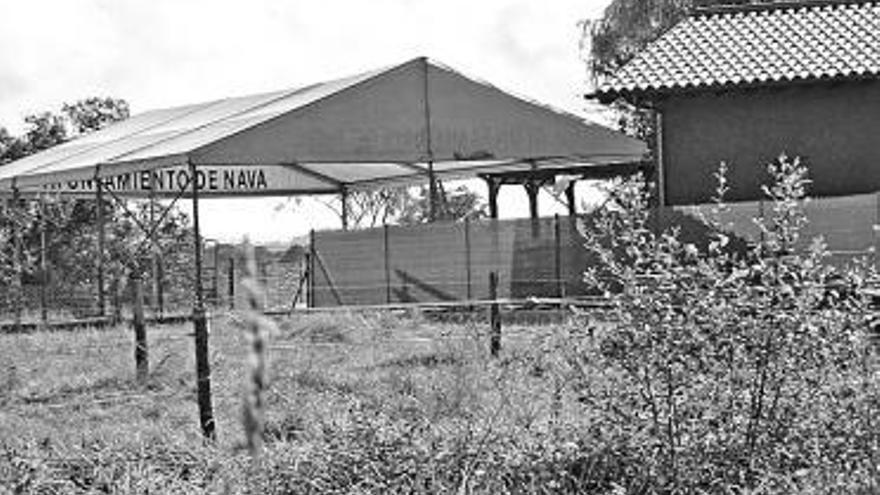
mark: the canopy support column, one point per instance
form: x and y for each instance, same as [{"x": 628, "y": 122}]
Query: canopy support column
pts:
[
  {"x": 18, "y": 257},
  {"x": 533, "y": 187},
  {"x": 102, "y": 232},
  {"x": 343, "y": 197},
  {"x": 44, "y": 272},
  {"x": 570, "y": 199},
  {"x": 494, "y": 186},
  {"x": 429, "y": 150},
  {"x": 200, "y": 321},
  {"x": 155, "y": 258},
  {"x": 432, "y": 192}
]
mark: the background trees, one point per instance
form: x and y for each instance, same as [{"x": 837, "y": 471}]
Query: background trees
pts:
[
  {"x": 66, "y": 228},
  {"x": 406, "y": 205}
]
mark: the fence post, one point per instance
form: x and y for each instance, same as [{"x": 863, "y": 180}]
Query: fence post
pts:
[
  {"x": 307, "y": 273},
  {"x": 230, "y": 282},
  {"x": 387, "y": 252},
  {"x": 494, "y": 316},
  {"x": 310, "y": 269},
  {"x": 467, "y": 257},
  {"x": 139, "y": 326},
  {"x": 160, "y": 286}
]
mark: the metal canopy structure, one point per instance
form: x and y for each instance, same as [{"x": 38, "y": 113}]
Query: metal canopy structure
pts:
[
  {"x": 402, "y": 124},
  {"x": 405, "y": 124}
]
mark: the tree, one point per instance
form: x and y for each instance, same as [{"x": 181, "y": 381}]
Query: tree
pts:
[
  {"x": 45, "y": 130},
  {"x": 70, "y": 223},
  {"x": 92, "y": 114},
  {"x": 454, "y": 205},
  {"x": 405, "y": 206},
  {"x": 11, "y": 147}
]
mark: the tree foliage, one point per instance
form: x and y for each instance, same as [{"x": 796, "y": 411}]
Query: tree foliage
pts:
[
  {"x": 452, "y": 205},
  {"x": 407, "y": 206},
  {"x": 93, "y": 114}
]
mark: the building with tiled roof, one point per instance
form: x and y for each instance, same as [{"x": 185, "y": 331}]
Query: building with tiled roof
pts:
[{"x": 744, "y": 84}]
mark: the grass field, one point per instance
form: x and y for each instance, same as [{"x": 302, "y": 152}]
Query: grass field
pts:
[{"x": 357, "y": 403}]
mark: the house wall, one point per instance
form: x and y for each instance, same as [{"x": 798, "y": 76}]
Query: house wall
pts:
[{"x": 833, "y": 127}]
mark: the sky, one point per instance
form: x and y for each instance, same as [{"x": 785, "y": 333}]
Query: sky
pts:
[{"x": 160, "y": 53}]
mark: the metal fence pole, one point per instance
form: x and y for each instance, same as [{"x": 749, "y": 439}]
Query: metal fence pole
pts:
[
  {"x": 467, "y": 257},
  {"x": 557, "y": 258},
  {"x": 387, "y": 253}
]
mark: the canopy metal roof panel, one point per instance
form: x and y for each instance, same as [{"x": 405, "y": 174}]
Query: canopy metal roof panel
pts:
[{"x": 375, "y": 127}]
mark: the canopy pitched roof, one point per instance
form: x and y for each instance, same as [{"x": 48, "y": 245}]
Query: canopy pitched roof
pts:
[
  {"x": 725, "y": 47},
  {"x": 379, "y": 126}
]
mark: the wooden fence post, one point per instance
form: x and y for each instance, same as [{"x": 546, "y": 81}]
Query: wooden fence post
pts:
[
  {"x": 307, "y": 273},
  {"x": 230, "y": 283},
  {"x": 310, "y": 270},
  {"x": 139, "y": 326},
  {"x": 494, "y": 316}
]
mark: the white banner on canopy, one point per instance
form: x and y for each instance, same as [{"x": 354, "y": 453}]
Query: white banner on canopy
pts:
[{"x": 245, "y": 180}]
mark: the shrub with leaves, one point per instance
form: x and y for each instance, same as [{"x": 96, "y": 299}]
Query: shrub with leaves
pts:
[{"x": 724, "y": 371}]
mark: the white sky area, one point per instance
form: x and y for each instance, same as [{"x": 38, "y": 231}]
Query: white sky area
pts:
[{"x": 160, "y": 53}]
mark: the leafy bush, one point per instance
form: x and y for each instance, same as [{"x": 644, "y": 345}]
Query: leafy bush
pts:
[{"x": 722, "y": 372}]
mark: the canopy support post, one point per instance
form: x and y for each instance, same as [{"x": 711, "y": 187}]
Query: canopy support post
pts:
[
  {"x": 44, "y": 275},
  {"x": 18, "y": 258},
  {"x": 99, "y": 218},
  {"x": 429, "y": 150},
  {"x": 155, "y": 259},
  {"x": 432, "y": 192},
  {"x": 570, "y": 199},
  {"x": 200, "y": 321},
  {"x": 343, "y": 197},
  {"x": 494, "y": 186},
  {"x": 532, "y": 188}
]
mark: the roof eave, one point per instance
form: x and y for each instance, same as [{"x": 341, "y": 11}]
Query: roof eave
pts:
[{"x": 640, "y": 96}]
